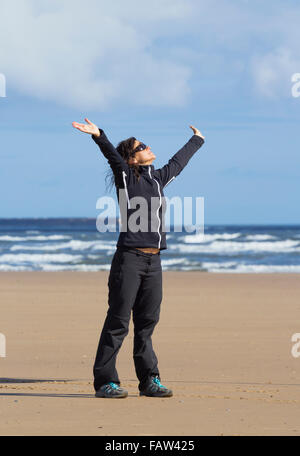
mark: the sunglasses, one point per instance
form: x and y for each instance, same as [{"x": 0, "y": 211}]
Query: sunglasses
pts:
[{"x": 140, "y": 147}]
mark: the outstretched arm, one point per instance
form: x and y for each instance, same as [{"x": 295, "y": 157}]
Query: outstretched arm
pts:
[
  {"x": 176, "y": 164},
  {"x": 117, "y": 163}
]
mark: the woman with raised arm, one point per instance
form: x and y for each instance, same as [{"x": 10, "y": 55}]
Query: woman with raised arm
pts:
[{"x": 135, "y": 278}]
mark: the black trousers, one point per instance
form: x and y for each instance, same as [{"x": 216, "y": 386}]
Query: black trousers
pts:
[{"x": 135, "y": 284}]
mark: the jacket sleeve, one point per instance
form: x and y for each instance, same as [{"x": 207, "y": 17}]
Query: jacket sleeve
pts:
[
  {"x": 176, "y": 164},
  {"x": 115, "y": 160}
]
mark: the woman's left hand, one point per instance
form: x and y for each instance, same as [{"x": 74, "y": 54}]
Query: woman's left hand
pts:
[
  {"x": 197, "y": 132},
  {"x": 89, "y": 128}
]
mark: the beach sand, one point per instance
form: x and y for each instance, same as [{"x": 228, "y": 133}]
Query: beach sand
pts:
[{"x": 223, "y": 344}]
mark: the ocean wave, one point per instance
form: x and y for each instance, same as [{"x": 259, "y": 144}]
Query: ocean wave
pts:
[
  {"x": 183, "y": 262},
  {"x": 72, "y": 245},
  {"x": 235, "y": 267},
  {"x": 51, "y": 237},
  {"x": 197, "y": 238},
  {"x": 261, "y": 268},
  {"x": 76, "y": 267},
  {"x": 9, "y": 267},
  {"x": 259, "y": 237},
  {"x": 229, "y": 247},
  {"x": 55, "y": 267},
  {"x": 214, "y": 266},
  {"x": 172, "y": 261},
  {"x": 38, "y": 259}
]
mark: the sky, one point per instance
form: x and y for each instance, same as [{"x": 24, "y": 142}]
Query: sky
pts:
[{"x": 149, "y": 70}]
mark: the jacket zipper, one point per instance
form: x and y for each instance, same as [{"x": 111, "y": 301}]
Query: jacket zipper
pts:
[
  {"x": 158, "y": 207},
  {"x": 170, "y": 180},
  {"x": 125, "y": 187}
]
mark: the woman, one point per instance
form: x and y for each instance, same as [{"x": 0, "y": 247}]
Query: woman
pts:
[{"x": 135, "y": 279}]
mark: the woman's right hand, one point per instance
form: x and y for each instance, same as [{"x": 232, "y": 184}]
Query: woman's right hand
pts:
[
  {"x": 89, "y": 128},
  {"x": 197, "y": 132}
]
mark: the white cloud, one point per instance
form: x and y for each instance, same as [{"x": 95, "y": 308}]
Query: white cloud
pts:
[
  {"x": 90, "y": 54},
  {"x": 95, "y": 54},
  {"x": 272, "y": 72}
]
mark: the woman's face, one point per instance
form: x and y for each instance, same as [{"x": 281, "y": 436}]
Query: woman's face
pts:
[{"x": 142, "y": 157}]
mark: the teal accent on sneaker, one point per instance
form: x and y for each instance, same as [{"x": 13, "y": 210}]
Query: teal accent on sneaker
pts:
[
  {"x": 113, "y": 385},
  {"x": 156, "y": 389},
  {"x": 157, "y": 381},
  {"x": 111, "y": 390}
]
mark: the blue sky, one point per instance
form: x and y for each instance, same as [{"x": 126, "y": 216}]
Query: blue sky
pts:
[{"x": 149, "y": 70}]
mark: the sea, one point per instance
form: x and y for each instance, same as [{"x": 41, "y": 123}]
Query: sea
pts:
[{"x": 75, "y": 244}]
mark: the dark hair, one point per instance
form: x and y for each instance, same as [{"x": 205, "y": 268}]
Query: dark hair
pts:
[{"x": 125, "y": 149}]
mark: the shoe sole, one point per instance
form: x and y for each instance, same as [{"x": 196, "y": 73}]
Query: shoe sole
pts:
[
  {"x": 169, "y": 394},
  {"x": 101, "y": 395}
]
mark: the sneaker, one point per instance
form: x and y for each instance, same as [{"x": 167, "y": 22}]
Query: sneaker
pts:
[
  {"x": 111, "y": 390},
  {"x": 156, "y": 389}
]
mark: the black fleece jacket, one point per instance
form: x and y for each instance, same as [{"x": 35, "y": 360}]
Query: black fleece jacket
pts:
[{"x": 150, "y": 185}]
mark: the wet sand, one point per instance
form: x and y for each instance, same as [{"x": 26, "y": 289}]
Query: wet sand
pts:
[{"x": 223, "y": 344}]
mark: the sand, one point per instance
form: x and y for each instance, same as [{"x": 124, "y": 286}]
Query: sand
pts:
[{"x": 223, "y": 344}]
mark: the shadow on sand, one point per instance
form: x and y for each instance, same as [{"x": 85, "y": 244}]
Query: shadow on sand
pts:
[{"x": 33, "y": 380}]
